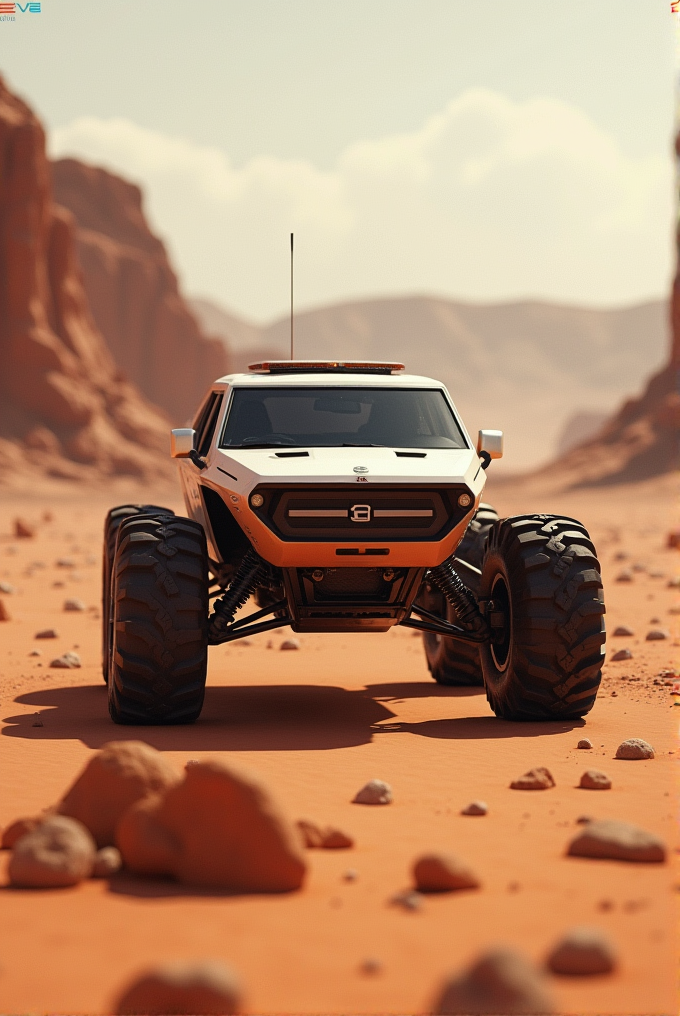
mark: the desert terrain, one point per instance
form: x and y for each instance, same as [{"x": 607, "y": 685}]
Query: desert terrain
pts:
[{"x": 316, "y": 724}]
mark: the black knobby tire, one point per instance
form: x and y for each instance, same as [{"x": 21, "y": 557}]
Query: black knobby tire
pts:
[
  {"x": 114, "y": 518},
  {"x": 450, "y": 661},
  {"x": 160, "y": 621},
  {"x": 543, "y": 589}
]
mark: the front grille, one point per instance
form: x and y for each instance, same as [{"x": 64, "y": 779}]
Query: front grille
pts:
[{"x": 361, "y": 515}]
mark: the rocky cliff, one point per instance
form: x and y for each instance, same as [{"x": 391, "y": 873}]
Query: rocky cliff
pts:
[
  {"x": 153, "y": 336},
  {"x": 65, "y": 409}
]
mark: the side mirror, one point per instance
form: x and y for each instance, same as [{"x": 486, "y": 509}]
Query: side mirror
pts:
[
  {"x": 490, "y": 446},
  {"x": 182, "y": 442}
]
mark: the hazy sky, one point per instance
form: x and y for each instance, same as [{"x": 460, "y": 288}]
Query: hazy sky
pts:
[{"x": 481, "y": 149}]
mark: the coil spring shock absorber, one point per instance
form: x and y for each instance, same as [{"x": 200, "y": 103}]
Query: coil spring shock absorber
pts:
[
  {"x": 249, "y": 574},
  {"x": 462, "y": 599}
]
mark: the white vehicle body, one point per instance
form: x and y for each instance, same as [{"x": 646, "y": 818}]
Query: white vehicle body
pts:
[{"x": 234, "y": 474}]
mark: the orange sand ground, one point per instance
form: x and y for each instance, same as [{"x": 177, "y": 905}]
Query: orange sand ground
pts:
[{"x": 317, "y": 724}]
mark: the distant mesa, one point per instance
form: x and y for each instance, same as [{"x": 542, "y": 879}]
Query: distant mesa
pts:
[{"x": 65, "y": 409}]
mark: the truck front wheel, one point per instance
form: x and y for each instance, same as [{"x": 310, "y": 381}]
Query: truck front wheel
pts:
[
  {"x": 541, "y": 590},
  {"x": 159, "y": 631}
]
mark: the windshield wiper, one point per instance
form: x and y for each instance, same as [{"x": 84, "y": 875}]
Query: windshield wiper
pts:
[
  {"x": 349, "y": 444},
  {"x": 265, "y": 444}
]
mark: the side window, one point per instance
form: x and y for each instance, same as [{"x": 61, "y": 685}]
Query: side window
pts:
[{"x": 207, "y": 423}]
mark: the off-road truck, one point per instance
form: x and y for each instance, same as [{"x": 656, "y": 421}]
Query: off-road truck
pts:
[{"x": 345, "y": 496}]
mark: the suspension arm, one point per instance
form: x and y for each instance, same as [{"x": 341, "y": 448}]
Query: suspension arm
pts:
[{"x": 438, "y": 626}]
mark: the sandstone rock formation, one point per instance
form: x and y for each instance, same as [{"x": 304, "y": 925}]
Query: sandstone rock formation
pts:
[
  {"x": 64, "y": 408},
  {"x": 132, "y": 290}
]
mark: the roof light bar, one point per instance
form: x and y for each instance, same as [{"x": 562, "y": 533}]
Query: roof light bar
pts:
[{"x": 319, "y": 366}]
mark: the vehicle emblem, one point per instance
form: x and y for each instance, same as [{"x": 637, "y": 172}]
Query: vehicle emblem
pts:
[
  {"x": 360, "y": 513},
  {"x": 360, "y": 469}
]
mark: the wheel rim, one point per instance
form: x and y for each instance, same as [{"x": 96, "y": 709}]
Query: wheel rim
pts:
[{"x": 500, "y": 594}]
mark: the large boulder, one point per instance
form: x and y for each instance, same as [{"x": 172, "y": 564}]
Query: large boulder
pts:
[
  {"x": 499, "y": 983},
  {"x": 219, "y": 828},
  {"x": 59, "y": 852},
  {"x": 122, "y": 773},
  {"x": 200, "y": 988}
]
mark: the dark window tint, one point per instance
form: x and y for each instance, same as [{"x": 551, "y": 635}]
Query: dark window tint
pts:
[
  {"x": 332, "y": 417},
  {"x": 207, "y": 422}
]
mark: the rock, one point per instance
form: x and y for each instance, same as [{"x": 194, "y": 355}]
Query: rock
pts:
[
  {"x": 351, "y": 875},
  {"x": 536, "y": 779},
  {"x": 374, "y": 792},
  {"x": 290, "y": 644},
  {"x": 118, "y": 776},
  {"x": 19, "y": 828},
  {"x": 617, "y": 841},
  {"x": 58, "y": 852},
  {"x": 107, "y": 862},
  {"x": 594, "y": 780},
  {"x": 622, "y": 654},
  {"x": 585, "y": 742},
  {"x": 74, "y": 604},
  {"x": 500, "y": 982},
  {"x": 218, "y": 828},
  {"x": 325, "y": 837},
  {"x": 476, "y": 808},
  {"x": 584, "y": 819},
  {"x": 371, "y": 966},
  {"x": 4, "y": 612},
  {"x": 673, "y": 539},
  {"x": 409, "y": 900},
  {"x": 439, "y": 873},
  {"x": 625, "y": 576},
  {"x": 37, "y": 721},
  {"x": 67, "y": 661},
  {"x": 623, "y": 631},
  {"x": 46, "y": 633},
  {"x": 6, "y": 588},
  {"x": 674, "y": 583},
  {"x": 65, "y": 562},
  {"x": 582, "y": 952},
  {"x": 639, "y": 567},
  {"x": 201, "y": 988},
  {"x": 23, "y": 530},
  {"x": 125, "y": 266},
  {"x": 657, "y": 635},
  {"x": 634, "y": 748},
  {"x": 35, "y": 652}
]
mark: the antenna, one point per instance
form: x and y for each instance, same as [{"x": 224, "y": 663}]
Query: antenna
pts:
[{"x": 291, "y": 296}]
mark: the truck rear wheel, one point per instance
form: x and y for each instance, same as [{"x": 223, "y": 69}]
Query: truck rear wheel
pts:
[
  {"x": 542, "y": 588},
  {"x": 159, "y": 651},
  {"x": 449, "y": 661},
  {"x": 112, "y": 523}
]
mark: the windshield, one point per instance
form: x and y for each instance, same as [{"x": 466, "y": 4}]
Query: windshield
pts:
[{"x": 337, "y": 417}]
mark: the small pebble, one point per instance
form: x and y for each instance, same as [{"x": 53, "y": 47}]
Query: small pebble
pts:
[
  {"x": 35, "y": 652},
  {"x": 65, "y": 562},
  {"x": 623, "y": 630},
  {"x": 37, "y": 722},
  {"x": 47, "y": 633},
  {"x": 622, "y": 654},
  {"x": 67, "y": 661},
  {"x": 290, "y": 644},
  {"x": 6, "y": 588},
  {"x": 634, "y": 748},
  {"x": 351, "y": 875},
  {"x": 583, "y": 819},
  {"x": 657, "y": 635},
  {"x": 4, "y": 612},
  {"x": 592, "y": 779},
  {"x": 582, "y": 952},
  {"x": 639, "y": 567},
  {"x": 74, "y": 604},
  {"x": 625, "y": 576},
  {"x": 371, "y": 966},
  {"x": 374, "y": 792},
  {"x": 409, "y": 900},
  {"x": 23, "y": 530},
  {"x": 439, "y": 873},
  {"x": 539, "y": 778},
  {"x": 585, "y": 742},
  {"x": 476, "y": 808},
  {"x": 107, "y": 861}
]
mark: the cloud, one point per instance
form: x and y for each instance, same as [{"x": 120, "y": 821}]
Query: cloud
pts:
[{"x": 489, "y": 199}]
